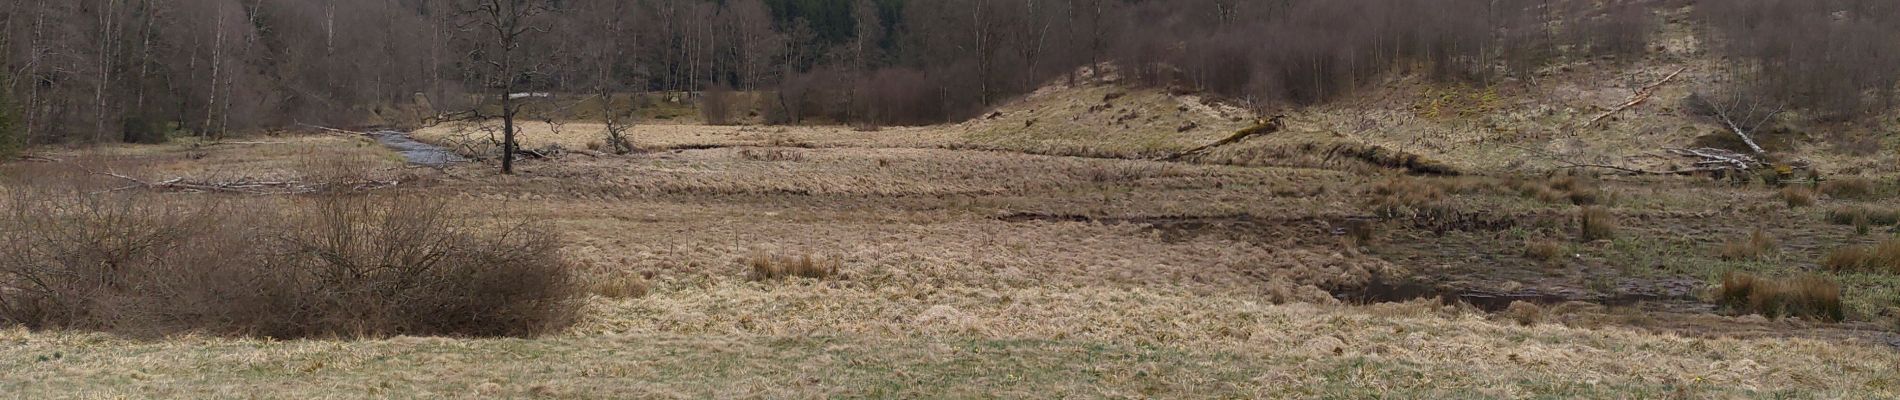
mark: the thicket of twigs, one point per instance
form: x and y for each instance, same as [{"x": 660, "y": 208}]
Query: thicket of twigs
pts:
[{"x": 145, "y": 263}]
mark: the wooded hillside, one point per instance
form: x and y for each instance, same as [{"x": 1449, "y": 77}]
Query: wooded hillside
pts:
[{"x": 140, "y": 70}]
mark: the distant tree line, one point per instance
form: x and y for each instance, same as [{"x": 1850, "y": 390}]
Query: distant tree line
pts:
[{"x": 140, "y": 70}]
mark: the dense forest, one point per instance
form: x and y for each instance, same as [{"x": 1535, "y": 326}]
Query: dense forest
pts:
[{"x": 142, "y": 70}]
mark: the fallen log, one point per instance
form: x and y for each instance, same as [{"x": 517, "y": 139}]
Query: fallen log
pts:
[
  {"x": 1272, "y": 125},
  {"x": 1717, "y": 156},
  {"x": 1642, "y": 95}
]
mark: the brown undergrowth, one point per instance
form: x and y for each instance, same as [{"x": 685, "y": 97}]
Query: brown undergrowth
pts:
[
  {"x": 148, "y": 264},
  {"x": 1808, "y": 296},
  {"x": 1882, "y": 257}
]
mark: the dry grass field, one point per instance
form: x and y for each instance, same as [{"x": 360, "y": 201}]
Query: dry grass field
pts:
[
  {"x": 955, "y": 262},
  {"x": 1545, "y": 232}
]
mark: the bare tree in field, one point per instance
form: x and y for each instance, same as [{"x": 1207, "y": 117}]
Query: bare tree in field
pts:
[{"x": 500, "y": 29}]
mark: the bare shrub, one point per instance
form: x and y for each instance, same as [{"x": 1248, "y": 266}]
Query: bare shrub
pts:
[
  {"x": 1755, "y": 246},
  {"x": 717, "y": 106},
  {"x": 69, "y": 257},
  {"x": 343, "y": 267},
  {"x": 407, "y": 266},
  {"x": 769, "y": 267},
  {"x": 1597, "y": 223},
  {"x": 1809, "y": 296}
]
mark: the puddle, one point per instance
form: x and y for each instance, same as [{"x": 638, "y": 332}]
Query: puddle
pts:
[{"x": 416, "y": 152}]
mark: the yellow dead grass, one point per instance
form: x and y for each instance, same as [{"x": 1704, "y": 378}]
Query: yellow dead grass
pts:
[
  {"x": 937, "y": 295},
  {"x": 578, "y": 135},
  {"x": 812, "y": 341}
]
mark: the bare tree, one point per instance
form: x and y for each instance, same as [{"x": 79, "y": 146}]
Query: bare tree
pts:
[{"x": 500, "y": 29}]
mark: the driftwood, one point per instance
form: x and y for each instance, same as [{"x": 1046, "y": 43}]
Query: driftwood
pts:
[
  {"x": 246, "y": 187},
  {"x": 1272, "y": 125},
  {"x": 1705, "y": 160},
  {"x": 1711, "y": 157},
  {"x": 1642, "y": 95}
]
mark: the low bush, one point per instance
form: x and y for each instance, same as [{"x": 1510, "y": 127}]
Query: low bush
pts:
[
  {"x": 718, "y": 105},
  {"x": 1806, "y": 296},
  {"x": 342, "y": 267}
]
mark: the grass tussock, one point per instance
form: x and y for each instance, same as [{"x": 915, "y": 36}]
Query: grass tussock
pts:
[
  {"x": 765, "y": 267},
  {"x": 1525, "y": 313},
  {"x": 1361, "y": 232},
  {"x": 1883, "y": 257},
  {"x": 772, "y": 155},
  {"x": 1118, "y": 172},
  {"x": 1597, "y": 223},
  {"x": 1400, "y": 196},
  {"x": 1807, "y": 296},
  {"x": 1848, "y": 188},
  {"x": 1543, "y": 250},
  {"x": 350, "y": 267},
  {"x": 620, "y": 286},
  {"x": 1797, "y": 196},
  {"x": 1563, "y": 189},
  {"x": 1863, "y": 215},
  {"x": 1758, "y": 244}
]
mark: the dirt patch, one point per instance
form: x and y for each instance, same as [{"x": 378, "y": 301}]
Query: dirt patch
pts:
[{"x": 1395, "y": 290}]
